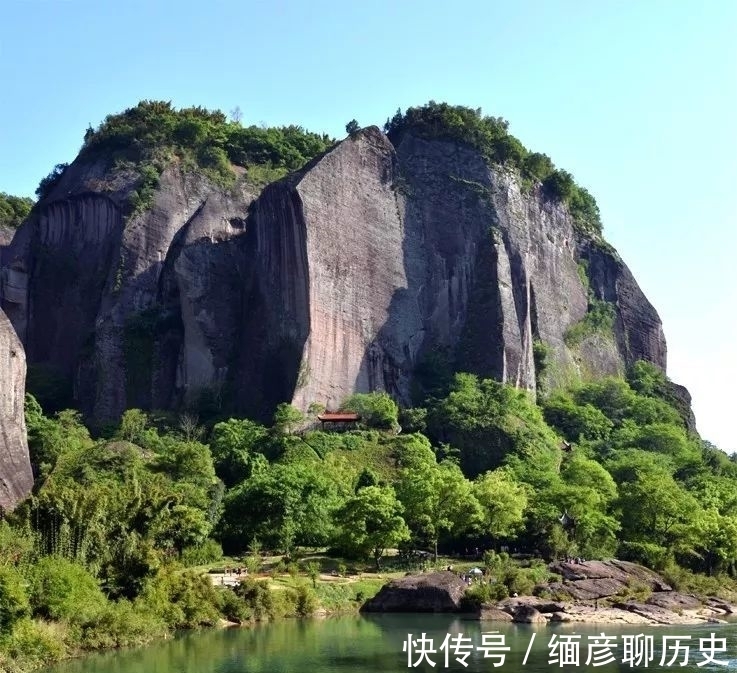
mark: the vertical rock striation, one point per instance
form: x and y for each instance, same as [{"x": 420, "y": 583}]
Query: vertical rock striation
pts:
[
  {"x": 16, "y": 478},
  {"x": 341, "y": 277},
  {"x": 370, "y": 258}
]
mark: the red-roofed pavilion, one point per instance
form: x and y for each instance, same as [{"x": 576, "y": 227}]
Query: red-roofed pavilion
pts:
[{"x": 338, "y": 417}]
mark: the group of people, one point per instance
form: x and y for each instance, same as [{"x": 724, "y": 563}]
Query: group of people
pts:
[
  {"x": 468, "y": 578},
  {"x": 575, "y": 559},
  {"x": 236, "y": 571}
]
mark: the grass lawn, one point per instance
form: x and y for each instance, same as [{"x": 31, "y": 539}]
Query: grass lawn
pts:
[{"x": 340, "y": 584}]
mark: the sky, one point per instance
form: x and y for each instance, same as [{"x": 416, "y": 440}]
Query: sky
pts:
[{"x": 636, "y": 98}]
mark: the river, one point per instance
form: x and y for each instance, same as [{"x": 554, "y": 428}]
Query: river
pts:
[{"x": 353, "y": 644}]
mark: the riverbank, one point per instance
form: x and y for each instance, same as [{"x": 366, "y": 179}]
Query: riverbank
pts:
[
  {"x": 185, "y": 600},
  {"x": 594, "y": 592}
]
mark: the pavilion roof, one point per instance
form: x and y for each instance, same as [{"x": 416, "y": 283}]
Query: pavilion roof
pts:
[{"x": 338, "y": 417}]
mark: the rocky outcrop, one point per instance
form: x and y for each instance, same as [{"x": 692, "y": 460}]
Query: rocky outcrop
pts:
[
  {"x": 540, "y": 604},
  {"x": 340, "y": 278},
  {"x": 491, "y": 613},
  {"x": 526, "y": 614},
  {"x": 432, "y": 592},
  {"x": 128, "y": 310},
  {"x": 16, "y": 478},
  {"x": 444, "y": 592},
  {"x": 658, "y": 615},
  {"x": 673, "y": 600},
  {"x": 592, "y": 580}
]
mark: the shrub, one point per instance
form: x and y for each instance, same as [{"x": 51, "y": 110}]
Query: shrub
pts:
[
  {"x": 63, "y": 590},
  {"x": 475, "y": 596},
  {"x": 183, "y": 599},
  {"x": 233, "y": 607},
  {"x": 307, "y": 602},
  {"x": 34, "y": 645},
  {"x": 14, "y": 603},
  {"x": 257, "y": 597},
  {"x": 648, "y": 554},
  {"x": 14, "y": 209},
  {"x": 599, "y": 319},
  {"x": 48, "y": 183},
  {"x": 377, "y": 410},
  {"x": 519, "y": 581},
  {"x": 491, "y": 137},
  {"x": 689, "y": 582},
  {"x": 122, "y": 624},
  {"x": 635, "y": 591},
  {"x": 209, "y": 551},
  {"x": 203, "y": 137}
]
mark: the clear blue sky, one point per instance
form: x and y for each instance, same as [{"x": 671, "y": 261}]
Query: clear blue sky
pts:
[{"x": 636, "y": 98}]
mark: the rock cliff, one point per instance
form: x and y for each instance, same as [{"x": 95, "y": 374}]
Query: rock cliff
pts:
[
  {"x": 341, "y": 277},
  {"x": 16, "y": 478}
]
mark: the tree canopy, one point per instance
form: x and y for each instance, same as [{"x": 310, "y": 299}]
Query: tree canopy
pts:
[{"x": 14, "y": 209}]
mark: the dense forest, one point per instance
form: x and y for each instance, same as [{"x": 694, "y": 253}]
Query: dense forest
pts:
[{"x": 102, "y": 546}]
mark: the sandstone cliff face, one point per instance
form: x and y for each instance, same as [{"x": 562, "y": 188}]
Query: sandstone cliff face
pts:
[
  {"x": 370, "y": 258},
  {"x": 111, "y": 304},
  {"x": 340, "y": 278},
  {"x": 16, "y": 478},
  {"x": 329, "y": 245}
]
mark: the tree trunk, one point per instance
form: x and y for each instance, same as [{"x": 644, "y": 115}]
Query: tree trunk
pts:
[{"x": 436, "y": 552}]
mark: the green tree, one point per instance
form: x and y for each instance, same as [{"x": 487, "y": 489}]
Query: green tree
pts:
[
  {"x": 377, "y": 410},
  {"x": 13, "y": 210},
  {"x": 233, "y": 444},
  {"x": 489, "y": 421},
  {"x": 287, "y": 418},
  {"x": 133, "y": 425},
  {"x": 14, "y": 603},
  {"x": 352, "y": 127},
  {"x": 64, "y": 590},
  {"x": 284, "y": 505},
  {"x": 659, "y": 509},
  {"x": 313, "y": 572},
  {"x": 371, "y": 521},
  {"x": 48, "y": 183},
  {"x": 503, "y": 502},
  {"x": 437, "y": 499},
  {"x": 575, "y": 421},
  {"x": 560, "y": 185}
]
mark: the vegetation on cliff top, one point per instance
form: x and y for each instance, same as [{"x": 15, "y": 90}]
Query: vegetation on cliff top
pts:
[
  {"x": 491, "y": 137},
  {"x": 150, "y": 135},
  {"x": 14, "y": 209}
]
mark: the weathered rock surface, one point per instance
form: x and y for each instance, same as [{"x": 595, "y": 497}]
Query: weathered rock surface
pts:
[
  {"x": 540, "y": 604},
  {"x": 673, "y": 600},
  {"x": 658, "y": 615},
  {"x": 128, "y": 311},
  {"x": 526, "y": 614},
  {"x": 431, "y": 592},
  {"x": 339, "y": 278},
  {"x": 491, "y": 613},
  {"x": 722, "y": 605},
  {"x": 16, "y": 478},
  {"x": 599, "y": 579}
]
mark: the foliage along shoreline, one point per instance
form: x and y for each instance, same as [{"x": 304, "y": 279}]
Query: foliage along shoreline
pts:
[{"x": 98, "y": 556}]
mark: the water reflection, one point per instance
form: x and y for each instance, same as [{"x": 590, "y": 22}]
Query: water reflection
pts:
[{"x": 350, "y": 644}]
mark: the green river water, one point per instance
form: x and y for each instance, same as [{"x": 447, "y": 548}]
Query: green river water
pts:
[{"x": 349, "y": 644}]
